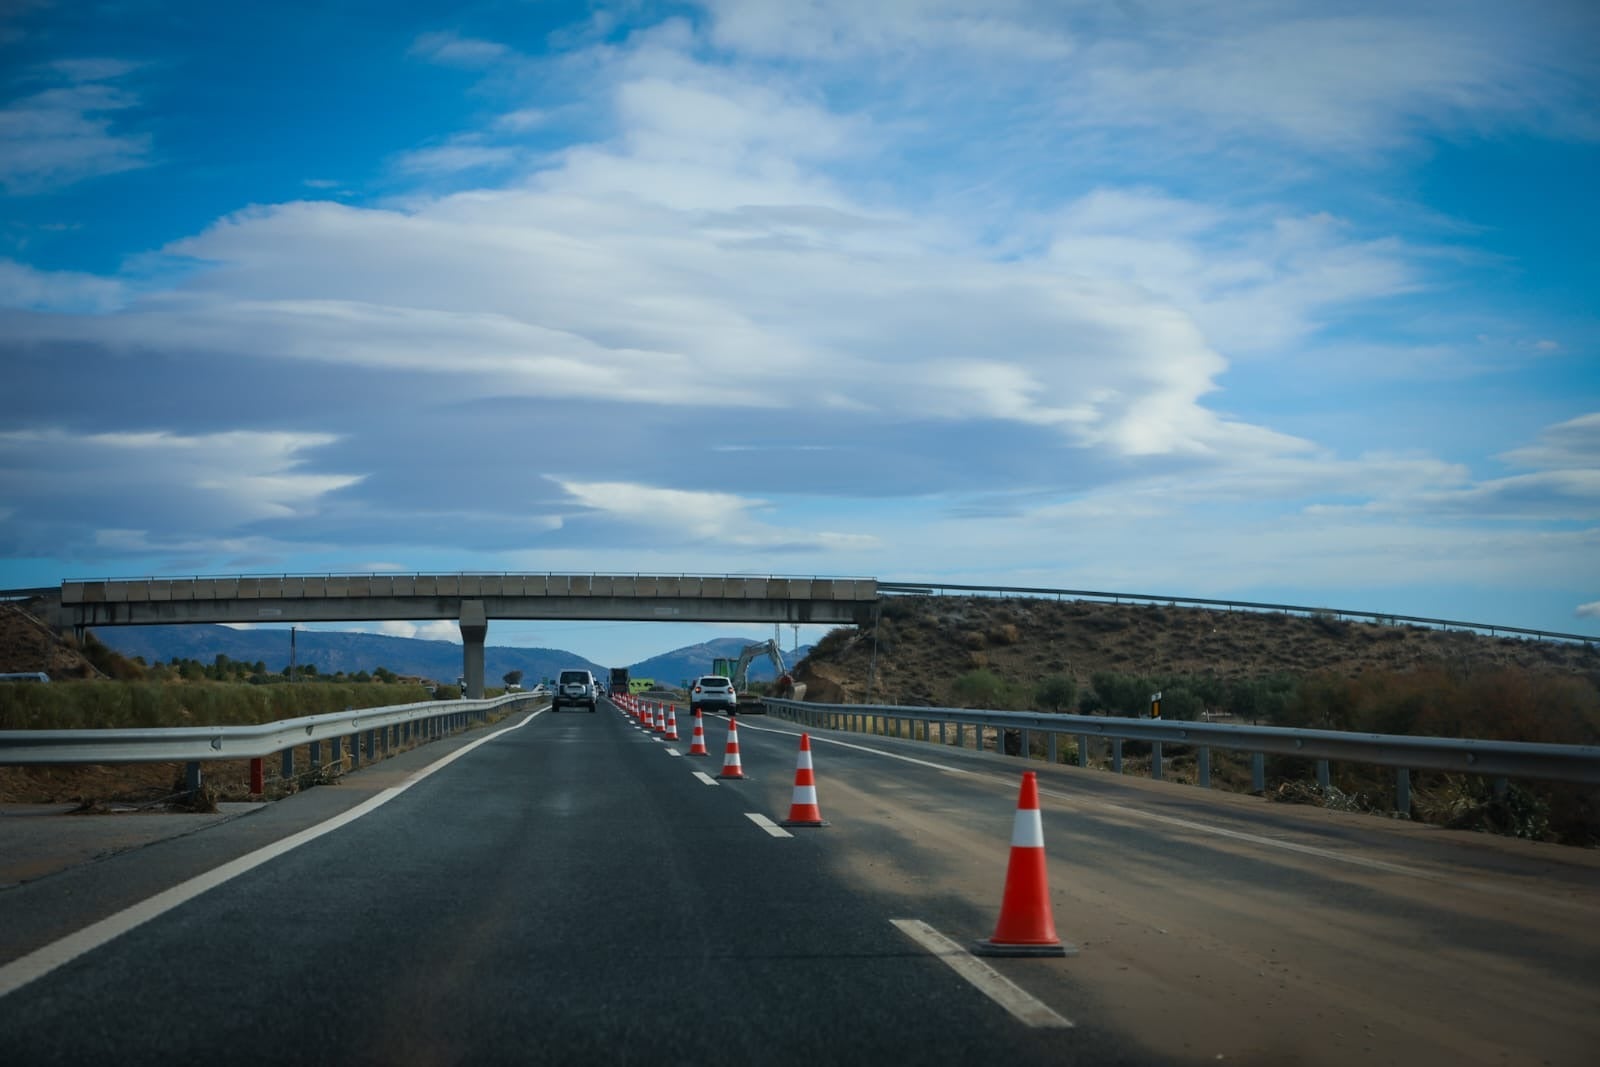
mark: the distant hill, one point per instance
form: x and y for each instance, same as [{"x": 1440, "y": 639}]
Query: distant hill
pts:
[
  {"x": 439, "y": 660},
  {"x": 334, "y": 652}
]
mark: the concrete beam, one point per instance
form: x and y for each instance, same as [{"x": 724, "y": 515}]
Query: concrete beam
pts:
[
  {"x": 377, "y": 608},
  {"x": 474, "y": 629}
]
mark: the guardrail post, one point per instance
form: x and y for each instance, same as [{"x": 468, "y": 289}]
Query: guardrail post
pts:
[
  {"x": 1258, "y": 772},
  {"x": 1055, "y": 755},
  {"x": 288, "y": 763},
  {"x": 1322, "y": 775},
  {"x": 337, "y": 759},
  {"x": 1155, "y": 761},
  {"x": 1205, "y": 767},
  {"x": 941, "y": 731},
  {"x": 1116, "y": 755},
  {"x": 191, "y": 778},
  {"x": 1501, "y": 785},
  {"x": 1025, "y": 750},
  {"x": 355, "y": 752},
  {"x": 1083, "y": 750},
  {"x": 1402, "y": 791},
  {"x": 316, "y": 754}
]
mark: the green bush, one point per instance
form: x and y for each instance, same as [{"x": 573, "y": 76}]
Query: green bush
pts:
[{"x": 1058, "y": 692}]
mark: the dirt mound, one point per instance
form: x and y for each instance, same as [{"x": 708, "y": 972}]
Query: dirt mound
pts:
[{"x": 27, "y": 643}]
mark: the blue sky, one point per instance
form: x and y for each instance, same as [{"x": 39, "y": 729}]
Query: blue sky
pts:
[{"x": 1287, "y": 301}]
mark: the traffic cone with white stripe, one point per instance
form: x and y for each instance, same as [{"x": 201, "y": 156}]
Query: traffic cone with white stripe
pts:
[
  {"x": 658, "y": 720},
  {"x": 803, "y": 810},
  {"x": 672, "y": 723},
  {"x": 697, "y": 741},
  {"x": 731, "y": 767},
  {"x": 1027, "y": 925}
]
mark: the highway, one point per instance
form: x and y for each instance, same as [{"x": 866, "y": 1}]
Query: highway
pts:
[{"x": 567, "y": 889}]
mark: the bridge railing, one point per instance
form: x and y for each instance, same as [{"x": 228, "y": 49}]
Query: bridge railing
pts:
[
  {"x": 471, "y": 585},
  {"x": 1494, "y": 759},
  {"x": 365, "y": 729}
]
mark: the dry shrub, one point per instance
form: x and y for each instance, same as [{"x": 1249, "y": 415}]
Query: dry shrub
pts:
[
  {"x": 1007, "y": 634},
  {"x": 977, "y": 660}
]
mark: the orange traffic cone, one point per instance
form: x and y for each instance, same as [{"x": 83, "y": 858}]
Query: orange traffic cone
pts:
[
  {"x": 672, "y": 723},
  {"x": 803, "y": 810},
  {"x": 1027, "y": 926},
  {"x": 658, "y": 720},
  {"x": 697, "y": 742},
  {"x": 730, "y": 759}
]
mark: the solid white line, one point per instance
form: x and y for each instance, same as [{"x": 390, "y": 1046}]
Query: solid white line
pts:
[
  {"x": 706, "y": 778},
  {"x": 40, "y": 962},
  {"x": 767, "y": 824},
  {"x": 1106, "y": 805},
  {"x": 1023, "y": 1006}
]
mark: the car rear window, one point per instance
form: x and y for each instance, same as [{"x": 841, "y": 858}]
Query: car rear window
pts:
[
  {"x": 573, "y": 676},
  {"x": 712, "y": 681}
]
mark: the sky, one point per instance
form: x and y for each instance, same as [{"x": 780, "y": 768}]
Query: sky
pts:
[{"x": 1287, "y": 301}]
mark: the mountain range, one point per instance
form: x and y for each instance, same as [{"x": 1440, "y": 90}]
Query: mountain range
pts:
[{"x": 332, "y": 652}]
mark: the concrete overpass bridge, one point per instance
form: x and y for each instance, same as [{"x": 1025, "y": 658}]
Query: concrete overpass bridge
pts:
[{"x": 472, "y": 600}]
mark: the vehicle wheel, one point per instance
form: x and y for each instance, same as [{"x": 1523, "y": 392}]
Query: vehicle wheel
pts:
[
  {"x": 554, "y": 708},
  {"x": 591, "y": 709}
]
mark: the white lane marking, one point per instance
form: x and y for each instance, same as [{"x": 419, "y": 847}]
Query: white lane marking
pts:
[
  {"x": 1106, "y": 805},
  {"x": 767, "y": 824},
  {"x": 40, "y": 962},
  {"x": 706, "y": 778},
  {"x": 1023, "y": 1006},
  {"x": 673, "y": 752}
]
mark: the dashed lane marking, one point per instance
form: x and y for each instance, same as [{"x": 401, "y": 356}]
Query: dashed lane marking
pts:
[
  {"x": 767, "y": 824},
  {"x": 706, "y": 778},
  {"x": 1023, "y": 1006}
]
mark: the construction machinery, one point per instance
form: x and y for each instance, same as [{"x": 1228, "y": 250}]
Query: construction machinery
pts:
[{"x": 739, "y": 670}]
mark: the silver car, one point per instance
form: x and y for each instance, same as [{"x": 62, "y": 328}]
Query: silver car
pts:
[{"x": 574, "y": 689}]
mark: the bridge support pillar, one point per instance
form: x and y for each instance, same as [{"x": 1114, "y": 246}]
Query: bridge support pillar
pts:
[{"x": 474, "y": 629}]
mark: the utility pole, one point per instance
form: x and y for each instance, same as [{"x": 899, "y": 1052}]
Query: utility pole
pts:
[{"x": 291, "y": 654}]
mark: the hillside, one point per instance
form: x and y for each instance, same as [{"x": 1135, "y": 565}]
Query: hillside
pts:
[
  {"x": 924, "y": 644},
  {"x": 27, "y": 644}
]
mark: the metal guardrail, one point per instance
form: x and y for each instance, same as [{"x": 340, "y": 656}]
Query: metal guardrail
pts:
[
  {"x": 195, "y": 745},
  {"x": 1495, "y": 759},
  {"x": 935, "y": 588}
]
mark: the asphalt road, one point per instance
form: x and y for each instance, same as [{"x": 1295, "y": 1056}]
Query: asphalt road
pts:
[{"x": 571, "y": 892}]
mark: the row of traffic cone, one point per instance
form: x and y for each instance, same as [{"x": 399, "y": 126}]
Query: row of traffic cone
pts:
[{"x": 1026, "y": 926}]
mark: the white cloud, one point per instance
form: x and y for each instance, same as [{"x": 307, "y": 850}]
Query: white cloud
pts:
[
  {"x": 64, "y": 135},
  {"x": 73, "y": 292},
  {"x": 433, "y": 630},
  {"x": 686, "y": 515},
  {"x": 454, "y": 50},
  {"x": 166, "y": 481},
  {"x": 1590, "y": 610},
  {"x": 456, "y": 157}
]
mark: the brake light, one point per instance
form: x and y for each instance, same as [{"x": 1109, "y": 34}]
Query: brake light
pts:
[{"x": 697, "y": 689}]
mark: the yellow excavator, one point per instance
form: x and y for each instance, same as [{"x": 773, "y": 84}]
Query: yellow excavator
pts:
[{"x": 739, "y": 671}]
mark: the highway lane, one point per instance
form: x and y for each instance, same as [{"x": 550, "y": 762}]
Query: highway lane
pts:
[
  {"x": 565, "y": 893},
  {"x": 571, "y": 891},
  {"x": 1219, "y": 925}
]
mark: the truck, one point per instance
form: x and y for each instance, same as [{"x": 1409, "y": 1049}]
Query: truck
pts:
[{"x": 619, "y": 680}]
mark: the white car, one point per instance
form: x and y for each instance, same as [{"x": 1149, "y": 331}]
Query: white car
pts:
[{"x": 714, "y": 691}]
